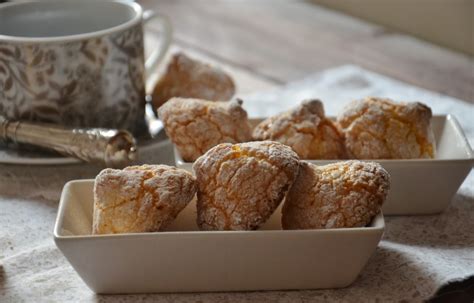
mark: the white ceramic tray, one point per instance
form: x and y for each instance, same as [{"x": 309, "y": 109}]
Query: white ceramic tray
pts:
[
  {"x": 420, "y": 186},
  {"x": 187, "y": 260}
]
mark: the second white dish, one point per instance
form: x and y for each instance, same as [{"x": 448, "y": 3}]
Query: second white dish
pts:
[{"x": 419, "y": 186}]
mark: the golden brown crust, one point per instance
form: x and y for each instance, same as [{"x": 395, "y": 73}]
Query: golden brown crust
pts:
[
  {"x": 188, "y": 78},
  {"x": 378, "y": 128},
  {"x": 306, "y": 130},
  {"x": 241, "y": 185},
  {"x": 196, "y": 125},
  {"x": 143, "y": 198},
  {"x": 344, "y": 194}
]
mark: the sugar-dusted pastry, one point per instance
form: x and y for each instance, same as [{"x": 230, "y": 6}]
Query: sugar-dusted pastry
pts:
[
  {"x": 196, "y": 125},
  {"x": 143, "y": 198},
  {"x": 190, "y": 78},
  {"x": 344, "y": 194},
  {"x": 306, "y": 130},
  {"x": 241, "y": 185},
  {"x": 378, "y": 128}
]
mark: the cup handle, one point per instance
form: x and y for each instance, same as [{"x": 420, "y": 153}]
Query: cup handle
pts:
[{"x": 157, "y": 55}]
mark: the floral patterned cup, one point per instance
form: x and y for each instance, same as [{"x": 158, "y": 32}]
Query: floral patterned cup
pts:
[{"x": 76, "y": 63}]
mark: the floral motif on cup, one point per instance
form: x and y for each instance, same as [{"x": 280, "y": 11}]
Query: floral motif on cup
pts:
[{"x": 97, "y": 82}]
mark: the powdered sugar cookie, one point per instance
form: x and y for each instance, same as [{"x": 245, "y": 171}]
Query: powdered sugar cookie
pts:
[
  {"x": 378, "y": 128},
  {"x": 344, "y": 194},
  {"x": 196, "y": 125},
  {"x": 241, "y": 185},
  {"x": 306, "y": 130},
  {"x": 140, "y": 198}
]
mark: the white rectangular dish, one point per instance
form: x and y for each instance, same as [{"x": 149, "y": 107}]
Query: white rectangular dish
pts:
[
  {"x": 187, "y": 260},
  {"x": 420, "y": 186}
]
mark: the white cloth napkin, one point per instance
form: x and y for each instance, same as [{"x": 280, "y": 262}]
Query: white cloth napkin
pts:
[{"x": 417, "y": 255}]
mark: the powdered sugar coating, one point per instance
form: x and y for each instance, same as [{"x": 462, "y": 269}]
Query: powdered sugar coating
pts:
[
  {"x": 196, "y": 125},
  {"x": 344, "y": 194},
  {"x": 306, "y": 130},
  {"x": 241, "y": 185},
  {"x": 140, "y": 198},
  {"x": 378, "y": 128},
  {"x": 189, "y": 78}
]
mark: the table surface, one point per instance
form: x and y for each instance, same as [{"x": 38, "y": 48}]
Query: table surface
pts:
[{"x": 267, "y": 43}]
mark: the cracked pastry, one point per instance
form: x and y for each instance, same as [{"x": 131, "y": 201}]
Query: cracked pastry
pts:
[
  {"x": 241, "y": 185},
  {"x": 194, "y": 125},
  {"x": 306, "y": 130},
  {"x": 378, "y": 128},
  {"x": 143, "y": 198},
  {"x": 343, "y": 194},
  {"x": 190, "y": 78}
]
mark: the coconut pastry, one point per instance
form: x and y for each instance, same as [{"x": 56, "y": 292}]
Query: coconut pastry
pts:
[
  {"x": 137, "y": 199},
  {"x": 241, "y": 185},
  {"x": 306, "y": 130},
  {"x": 378, "y": 128},
  {"x": 195, "y": 125},
  {"x": 190, "y": 78},
  {"x": 344, "y": 194}
]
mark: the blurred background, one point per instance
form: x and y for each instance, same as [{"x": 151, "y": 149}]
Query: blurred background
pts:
[
  {"x": 447, "y": 23},
  {"x": 426, "y": 43}
]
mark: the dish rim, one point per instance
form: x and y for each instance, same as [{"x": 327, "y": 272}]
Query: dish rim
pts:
[{"x": 377, "y": 225}]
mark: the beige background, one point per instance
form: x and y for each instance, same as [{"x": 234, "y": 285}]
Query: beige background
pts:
[{"x": 445, "y": 22}]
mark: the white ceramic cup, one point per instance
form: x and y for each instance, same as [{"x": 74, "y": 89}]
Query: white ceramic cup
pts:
[{"x": 76, "y": 63}]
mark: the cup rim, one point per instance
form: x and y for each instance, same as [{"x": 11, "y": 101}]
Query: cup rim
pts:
[{"x": 76, "y": 37}]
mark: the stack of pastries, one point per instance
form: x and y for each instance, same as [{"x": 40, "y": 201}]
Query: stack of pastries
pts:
[
  {"x": 241, "y": 175},
  {"x": 371, "y": 128},
  {"x": 238, "y": 187}
]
